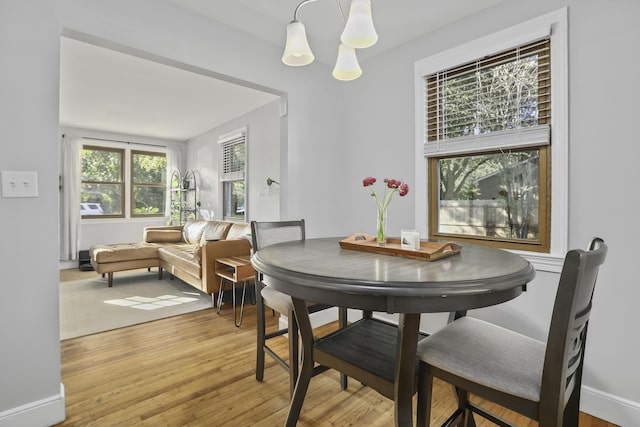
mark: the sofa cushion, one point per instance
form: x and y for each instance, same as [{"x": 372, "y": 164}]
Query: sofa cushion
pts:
[
  {"x": 239, "y": 230},
  {"x": 215, "y": 230},
  {"x": 169, "y": 235},
  {"x": 182, "y": 257},
  {"x": 192, "y": 231},
  {"x": 123, "y": 252}
]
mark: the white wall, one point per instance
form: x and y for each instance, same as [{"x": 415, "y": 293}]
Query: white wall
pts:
[
  {"x": 603, "y": 167},
  {"x": 30, "y": 354},
  {"x": 263, "y": 158}
]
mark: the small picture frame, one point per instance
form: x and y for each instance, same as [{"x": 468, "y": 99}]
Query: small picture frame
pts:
[{"x": 410, "y": 239}]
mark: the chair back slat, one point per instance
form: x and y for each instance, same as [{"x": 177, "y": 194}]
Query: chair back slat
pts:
[
  {"x": 575, "y": 352},
  {"x": 577, "y": 339},
  {"x": 269, "y": 233}
]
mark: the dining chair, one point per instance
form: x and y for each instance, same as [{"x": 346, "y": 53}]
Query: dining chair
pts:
[
  {"x": 264, "y": 234},
  {"x": 538, "y": 380}
]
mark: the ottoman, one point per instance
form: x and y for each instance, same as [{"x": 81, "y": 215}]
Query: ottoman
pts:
[{"x": 109, "y": 258}]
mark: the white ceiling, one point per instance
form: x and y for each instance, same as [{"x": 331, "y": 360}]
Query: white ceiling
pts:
[
  {"x": 101, "y": 89},
  {"x": 396, "y": 21},
  {"x": 110, "y": 91}
]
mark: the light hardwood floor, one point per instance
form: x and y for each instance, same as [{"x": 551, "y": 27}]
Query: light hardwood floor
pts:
[{"x": 198, "y": 369}]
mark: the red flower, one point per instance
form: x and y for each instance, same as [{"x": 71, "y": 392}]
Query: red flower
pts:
[
  {"x": 392, "y": 183},
  {"x": 404, "y": 189},
  {"x": 368, "y": 181}
]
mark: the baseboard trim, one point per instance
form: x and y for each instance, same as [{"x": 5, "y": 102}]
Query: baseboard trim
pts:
[
  {"x": 609, "y": 407},
  {"x": 65, "y": 265},
  {"x": 43, "y": 412}
]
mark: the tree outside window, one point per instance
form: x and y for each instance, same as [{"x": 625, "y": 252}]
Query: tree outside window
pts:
[
  {"x": 102, "y": 187},
  {"x": 148, "y": 183}
]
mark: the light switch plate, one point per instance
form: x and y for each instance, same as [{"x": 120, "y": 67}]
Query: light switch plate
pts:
[{"x": 19, "y": 183}]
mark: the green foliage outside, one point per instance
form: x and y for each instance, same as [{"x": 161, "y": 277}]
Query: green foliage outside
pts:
[
  {"x": 149, "y": 184},
  {"x": 102, "y": 178}
]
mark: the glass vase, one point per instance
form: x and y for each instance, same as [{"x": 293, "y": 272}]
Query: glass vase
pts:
[{"x": 381, "y": 227}]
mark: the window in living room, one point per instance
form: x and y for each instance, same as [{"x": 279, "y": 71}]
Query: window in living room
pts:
[
  {"x": 102, "y": 189},
  {"x": 233, "y": 155},
  {"x": 113, "y": 179},
  {"x": 148, "y": 183}
]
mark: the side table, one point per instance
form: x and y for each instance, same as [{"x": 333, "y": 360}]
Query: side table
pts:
[{"x": 235, "y": 269}]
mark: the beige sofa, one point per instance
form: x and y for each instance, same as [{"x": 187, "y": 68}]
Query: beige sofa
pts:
[{"x": 187, "y": 252}]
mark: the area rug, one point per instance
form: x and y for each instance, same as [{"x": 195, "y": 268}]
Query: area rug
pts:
[{"x": 90, "y": 306}]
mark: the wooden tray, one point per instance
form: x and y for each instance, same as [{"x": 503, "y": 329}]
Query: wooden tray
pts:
[{"x": 429, "y": 251}]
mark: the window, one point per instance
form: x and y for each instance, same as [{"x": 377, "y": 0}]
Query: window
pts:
[
  {"x": 485, "y": 194},
  {"x": 102, "y": 189},
  {"x": 108, "y": 176},
  {"x": 490, "y": 116},
  {"x": 148, "y": 183},
  {"x": 232, "y": 177}
]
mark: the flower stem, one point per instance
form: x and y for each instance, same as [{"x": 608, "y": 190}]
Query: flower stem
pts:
[{"x": 381, "y": 237}]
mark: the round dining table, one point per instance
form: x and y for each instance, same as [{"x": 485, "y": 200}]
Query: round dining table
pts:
[{"x": 320, "y": 270}]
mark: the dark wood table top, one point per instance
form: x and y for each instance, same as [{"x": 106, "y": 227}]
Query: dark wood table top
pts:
[{"x": 320, "y": 270}]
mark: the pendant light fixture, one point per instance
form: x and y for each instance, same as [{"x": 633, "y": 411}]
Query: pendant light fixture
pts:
[
  {"x": 359, "y": 33},
  {"x": 347, "y": 67},
  {"x": 297, "y": 51}
]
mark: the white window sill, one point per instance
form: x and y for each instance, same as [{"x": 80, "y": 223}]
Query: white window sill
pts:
[{"x": 543, "y": 262}]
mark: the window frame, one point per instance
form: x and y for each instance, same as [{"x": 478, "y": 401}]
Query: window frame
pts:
[
  {"x": 133, "y": 184},
  {"x": 554, "y": 25},
  {"x": 126, "y": 173},
  {"x": 439, "y": 147},
  {"x": 226, "y": 179},
  {"x": 544, "y": 181},
  {"x": 122, "y": 181}
]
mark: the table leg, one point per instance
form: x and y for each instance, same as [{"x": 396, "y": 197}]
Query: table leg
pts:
[
  {"x": 408, "y": 330},
  {"x": 219, "y": 305},
  {"x": 306, "y": 371},
  {"x": 235, "y": 320}
]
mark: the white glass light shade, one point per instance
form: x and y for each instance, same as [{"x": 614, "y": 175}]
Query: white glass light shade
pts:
[
  {"x": 359, "y": 31},
  {"x": 347, "y": 67},
  {"x": 297, "y": 51}
]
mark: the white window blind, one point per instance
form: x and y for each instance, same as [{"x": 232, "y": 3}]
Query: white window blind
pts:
[
  {"x": 233, "y": 156},
  {"x": 499, "y": 101}
]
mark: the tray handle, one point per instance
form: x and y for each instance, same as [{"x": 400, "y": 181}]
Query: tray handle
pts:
[
  {"x": 448, "y": 247},
  {"x": 360, "y": 238}
]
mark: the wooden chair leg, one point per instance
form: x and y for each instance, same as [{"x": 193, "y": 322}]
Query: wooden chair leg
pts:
[
  {"x": 342, "y": 323},
  {"x": 463, "y": 407},
  {"x": 261, "y": 331}
]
